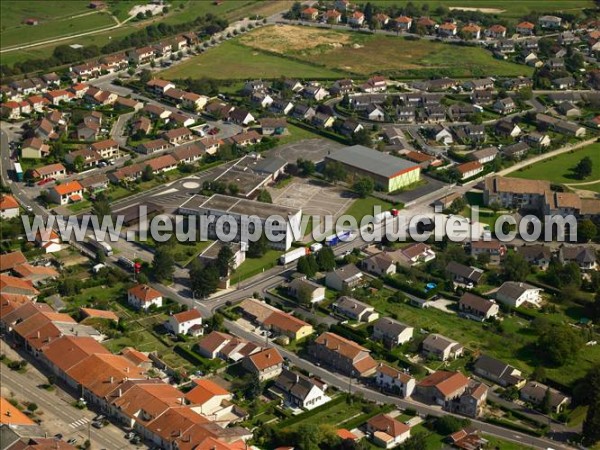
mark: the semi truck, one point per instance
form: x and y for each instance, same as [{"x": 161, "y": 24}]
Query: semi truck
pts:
[
  {"x": 18, "y": 172},
  {"x": 293, "y": 255},
  {"x": 335, "y": 239},
  {"x": 103, "y": 246}
]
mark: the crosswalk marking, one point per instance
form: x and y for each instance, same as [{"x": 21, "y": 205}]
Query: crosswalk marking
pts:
[{"x": 79, "y": 423}]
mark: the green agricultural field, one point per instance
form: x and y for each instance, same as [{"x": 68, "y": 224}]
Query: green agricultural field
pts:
[
  {"x": 504, "y": 8},
  {"x": 54, "y": 28},
  {"x": 558, "y": 168},
  {"x": 233, "y": 61},
  {"x": 12, "y": 12}
]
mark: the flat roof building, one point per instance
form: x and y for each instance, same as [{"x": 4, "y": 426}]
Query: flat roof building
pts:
[
  {"x": 241, "y": 210},
  {"x": 388, "y": 172}
]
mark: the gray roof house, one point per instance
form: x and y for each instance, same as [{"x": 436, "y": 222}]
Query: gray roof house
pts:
[
  {"x": 464, "y": 274},
  {"x": 355, "y": 310},
  {"x": 516, "y": 293},
  {"x": 583, "y": 256},
  {"x": 441, "y": 347},
  {"x": 346, "y": 277},
  {"x": 316, "y": 291},
  {"x": 497, "y": 371},
  {"x": 535, "y": 393},
  {"x": 300, "y": 391},
  {"x": 391, "y": 332},
  {"x": 478, "y": 308}
]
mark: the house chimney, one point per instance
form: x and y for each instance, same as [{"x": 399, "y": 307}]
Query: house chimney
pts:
[
  {"x": 112, "y": 379},
  {"x": 120, "y": 392}
]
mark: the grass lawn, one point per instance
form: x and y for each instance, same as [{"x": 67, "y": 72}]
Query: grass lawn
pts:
[
  {"x": 238, "y": 62},
  {"x": 364, "y": 206},
  {"x": 558, "y": 168},
  {"x": 95, "y": 294},
  {"x": 362, "y": 54},
  {"x": 595, "y": 187},
  {"x": 297, "y": 134},
  {"x": 252, "y": 266},
  {"x": 24, "y": 34},
  {"x": 495, "y": 442}
]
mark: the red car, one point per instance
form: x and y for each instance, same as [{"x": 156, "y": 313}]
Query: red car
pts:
[{"x": 214, "y": 131}]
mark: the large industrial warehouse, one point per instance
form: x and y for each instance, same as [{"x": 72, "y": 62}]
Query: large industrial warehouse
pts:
[{"x": 388, "y": 172}]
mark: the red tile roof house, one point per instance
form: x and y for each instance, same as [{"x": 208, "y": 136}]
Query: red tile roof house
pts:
[
  {"x": 11, "y": 110},
  {"x": 178, "y": 135},
  {"x": 207, "y": 397},
  {"x": 186, "y": 322},
  {"x": 495, "y": 249},
  {"x": 107, "y": 149},
  {"x": 143, "y": 296},
  {"x": 153, "y": 146},
  {"x": 161, "y": 164},
  {"x": 310, "y": 14},
  {"x": 387, "y": 432},
  {"x": 66, "y": 192},
  {"x": 9, "y": 207},
  {"x": 159, "y": 86},
  {"x": 265, "y": 364},
  {"x": 38, "y": 103},
  {"x": 469, "y": 169},
  {"x": 342, "y": 355},
  {"x": 56, "y": 97},
  {"x": 56, "y": 171},
  {"x": 441, "y": 387},
  {"x": 9, "y": 261}
]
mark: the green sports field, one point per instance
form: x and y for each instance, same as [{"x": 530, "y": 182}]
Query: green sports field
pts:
[{"x": 558, "y": 168}]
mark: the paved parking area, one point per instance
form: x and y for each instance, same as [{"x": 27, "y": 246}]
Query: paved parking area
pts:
[
  {"x": 312, "y": 149},
  {"x": 313, "y": 198}
]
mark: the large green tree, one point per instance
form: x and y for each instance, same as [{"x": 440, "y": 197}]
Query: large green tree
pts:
[
  {"x": 326, "y": 259},
  {"x": 163, "y": 263},
  {"x": 515, "y": 267}
]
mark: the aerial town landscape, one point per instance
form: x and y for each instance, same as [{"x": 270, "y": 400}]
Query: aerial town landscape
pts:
[{"x": 293, "y": 136}]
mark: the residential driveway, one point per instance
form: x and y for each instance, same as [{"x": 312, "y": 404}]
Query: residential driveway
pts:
[{"x": 443, "y": 304}]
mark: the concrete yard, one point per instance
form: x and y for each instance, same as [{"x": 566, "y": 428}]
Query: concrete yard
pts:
[{"x": 313, "y": 199}]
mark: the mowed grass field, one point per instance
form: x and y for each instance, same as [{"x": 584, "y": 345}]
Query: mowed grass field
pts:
[
  {"x": 558, "y": 169},
  {"x": 231, "y": 60},
  {"x": 508, "y": 8},
  {"x": 305, "y": 52}
]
